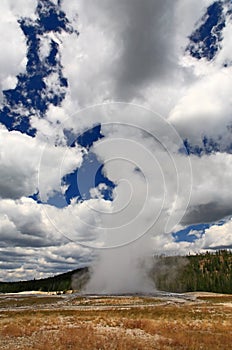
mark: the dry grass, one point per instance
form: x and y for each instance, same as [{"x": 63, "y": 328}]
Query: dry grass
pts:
[
  {"x": 189, "y": 326},
  {"x": 216, "y": 298},
  {"x": 14, "y": 302},
  {"x": 112, "y": 301}
]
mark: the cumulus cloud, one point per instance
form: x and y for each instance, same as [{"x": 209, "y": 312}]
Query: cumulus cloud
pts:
[
  {"x": 206, "y": 106},
  {"x": 28, "y": 165},
  {"x": 140, "y": 49},
  {"x": 38, "y": 240},
  {"x": 218, "y": 236},
  {"x": 12, "y": 43},
  {"x": 20, "y": 263},
  {"x": 211, "y": 188}
]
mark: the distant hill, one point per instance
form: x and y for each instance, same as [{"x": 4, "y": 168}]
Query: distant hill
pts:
[
  {"x": 210, "y": 272},
  {"x": 57, "y": 283}
]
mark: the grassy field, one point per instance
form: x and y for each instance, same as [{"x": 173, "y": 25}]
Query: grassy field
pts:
[{"x": 88, "y": 323}]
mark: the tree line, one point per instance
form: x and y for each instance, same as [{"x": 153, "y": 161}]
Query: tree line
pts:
[{"x": 208, "y": 272}]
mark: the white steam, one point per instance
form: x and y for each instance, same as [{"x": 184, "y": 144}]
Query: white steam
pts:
[
  {"x": 153, "y": 183},
  {"x": 120, "y": 271}
]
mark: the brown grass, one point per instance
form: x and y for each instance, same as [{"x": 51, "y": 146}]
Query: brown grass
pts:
[
  {"x": 190, "y": 326},
  {"x": 217, "y": 299},
  {"x": 27, "y": 301}
]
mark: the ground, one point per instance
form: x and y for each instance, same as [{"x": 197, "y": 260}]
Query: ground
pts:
[{"x": 174, "y": 321}]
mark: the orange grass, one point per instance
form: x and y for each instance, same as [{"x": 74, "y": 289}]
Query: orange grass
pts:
[{"x": 189, "y": 326}]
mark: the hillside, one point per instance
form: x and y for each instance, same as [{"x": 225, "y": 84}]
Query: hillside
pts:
[
  {"x": 57, "y": 283},
  {"x": 210, "y": 272}
]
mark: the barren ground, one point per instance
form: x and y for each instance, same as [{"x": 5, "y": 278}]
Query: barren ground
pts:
[{"x": 47, "y": 322}]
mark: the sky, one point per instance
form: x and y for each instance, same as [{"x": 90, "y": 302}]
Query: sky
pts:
[{"x": 115, "y": 132}]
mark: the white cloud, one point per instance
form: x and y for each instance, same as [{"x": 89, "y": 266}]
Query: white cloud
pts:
[
  {"x": 28, "y": 164},
  {"x": 12, "y": 43},
  {"x": 21, "y": 263},
  {"x": 212, "y": 178},
  {"x": 217, "y": 237},
  {"x": 134, "y": 52},
  {"x": 40, "y": 240},
  {"x": 101, "y": 71},
  {"x": 96, "y": 75},
  {"x": 205, "y": 108},
  {"x": 22, "y": 8}
]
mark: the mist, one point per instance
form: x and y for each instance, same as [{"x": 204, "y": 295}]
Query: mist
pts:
[
  {"x": 143, "y": 159},
  {"x": 122, "y": 270}
]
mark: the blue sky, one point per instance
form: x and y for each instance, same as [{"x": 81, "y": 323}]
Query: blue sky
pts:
[{"x": 97, "y": 101}]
